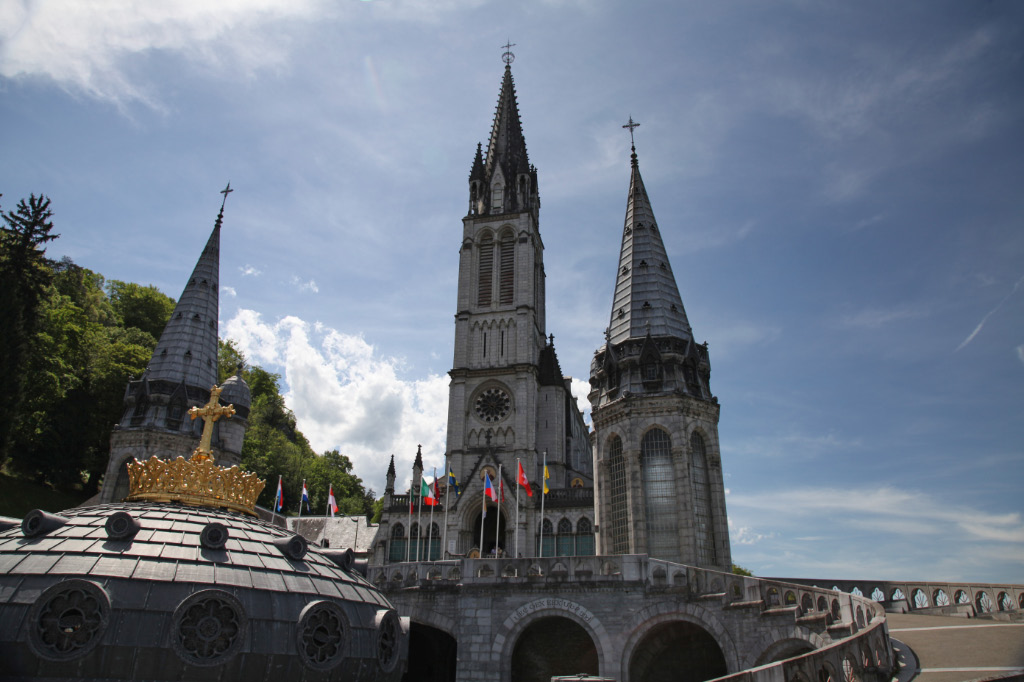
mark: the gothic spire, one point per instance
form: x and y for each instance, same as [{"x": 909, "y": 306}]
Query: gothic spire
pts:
[
  {"x": 187, "y": 350},
  {"x": 646, "y": 296},
  {"x": 507, "y": 146}
]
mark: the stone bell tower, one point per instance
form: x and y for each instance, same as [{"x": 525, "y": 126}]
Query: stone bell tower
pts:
[{"x": 658, "y": 466}]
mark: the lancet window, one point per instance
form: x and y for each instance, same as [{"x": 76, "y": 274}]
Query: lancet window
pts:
[
  {"x": 703, "y": 517},
  {"x": 659, "y": 489},
  {"x": 619, "y": 512}
]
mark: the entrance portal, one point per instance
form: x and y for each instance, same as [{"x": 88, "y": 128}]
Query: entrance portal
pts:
[
  {"x": 677, "y": 652},
  {"x": 431, "y": 655},
  {"x": 489, "y": 535},
  {"x": 553, "y": 646}
]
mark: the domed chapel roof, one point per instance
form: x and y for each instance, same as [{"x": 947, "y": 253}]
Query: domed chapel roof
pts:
[{"x": 163, "y": 591}]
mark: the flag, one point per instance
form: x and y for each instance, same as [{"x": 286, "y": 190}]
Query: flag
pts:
[
  {"x": 523, "y": 482},
  {"x": 488, "y": 488},
  {"x": 546, "y": 477},
  {"x": 437, "y": 490},
  {"x": 305, "y": 498},
  {"x": 427, "y": 494},
  {"x": 453, "y": 483},
  {"x": 332, "y": 504},
  {"x": 501, "y": 487},
  {"x": 279, "y": 498}
]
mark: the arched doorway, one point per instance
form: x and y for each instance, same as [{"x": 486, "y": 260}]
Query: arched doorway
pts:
[
  {"x": 553, "y": 646},
  {"x": 431, "y": 655},
  {"x": 489, "y": 532},
  {"x": 677, "y": 652}
]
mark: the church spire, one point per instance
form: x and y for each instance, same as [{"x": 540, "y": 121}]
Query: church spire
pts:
[
  {"x": 503, "y": 181},
  {"x": 647, "y": 299},
  {"x": 187, "y": 350}
]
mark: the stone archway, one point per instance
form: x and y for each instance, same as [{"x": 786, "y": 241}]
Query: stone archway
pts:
[
  {"x": 432, "y": 654},
  {"x": 553, "y": 645},
  {"x": 677, "y": 651},
  {"x": 489, "y": 531}
]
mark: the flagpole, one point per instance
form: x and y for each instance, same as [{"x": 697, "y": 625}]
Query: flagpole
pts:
[
  {"x": 517, "y": 506},
  {"x": 419, "y": 522},
  {"x": 408, "y": 544},
  {"x": 543, "y": 485},
  {"x": 497, "y": 517},
  {"x": 430, "y": 523},
  {"x": 447, "y": 485},
  {"x": 300, "y": 497},
  {"x": 483, "y": 518}
]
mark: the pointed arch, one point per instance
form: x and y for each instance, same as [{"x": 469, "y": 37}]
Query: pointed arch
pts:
[
  {"x": 619, "y": 525},
  {"x": 704, "y": 520},
  {"x": 659, "y": 493},
  {"x": 485, "y": 270},
  {"x": 506, "y": 268}
]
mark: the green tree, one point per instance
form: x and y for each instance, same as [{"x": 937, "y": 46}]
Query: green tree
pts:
[
  {"x": 739, "y": 570},
  {"x": 141, "y": 306},
  {"x": 24, "y": 277}
]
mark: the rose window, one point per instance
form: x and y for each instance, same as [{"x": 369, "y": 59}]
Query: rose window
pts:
[
  {"x": 69, "y": 619},
  {"x": 493, "y": 405},
  {"x": 209, "y": 627}
]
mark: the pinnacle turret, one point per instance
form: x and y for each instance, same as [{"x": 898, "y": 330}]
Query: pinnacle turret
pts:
[{"x": 646, "y": 297}]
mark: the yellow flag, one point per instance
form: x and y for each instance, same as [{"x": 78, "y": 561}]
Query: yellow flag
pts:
[{"x": 546, "y": 477}]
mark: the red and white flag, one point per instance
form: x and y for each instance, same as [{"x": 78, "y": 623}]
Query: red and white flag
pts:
[
  {"x": 332, "y": 504},
  {"x": 523, "y": 482}
]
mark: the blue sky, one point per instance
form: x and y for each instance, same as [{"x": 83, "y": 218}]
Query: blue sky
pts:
[{"x": 840, "y": 187}]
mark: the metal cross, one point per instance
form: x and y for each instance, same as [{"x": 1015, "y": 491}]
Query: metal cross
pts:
[
  {"x": 210, "y": 413},
  {"x": 226, "y": 191},
  {"x": 631, "y": 125},
  {"x": 508, "y": 57}
]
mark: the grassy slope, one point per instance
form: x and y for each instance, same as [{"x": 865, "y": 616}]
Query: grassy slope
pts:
[{"x": 18, "y": 496}]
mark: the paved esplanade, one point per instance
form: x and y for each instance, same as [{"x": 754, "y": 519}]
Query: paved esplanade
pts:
[{"x": 951, "y": 649}]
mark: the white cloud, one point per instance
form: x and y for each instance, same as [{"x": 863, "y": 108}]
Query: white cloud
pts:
[
  {"x": 1020, "y": 352},
  {"x": 305, "y": 286},
  {"x": 580, "y": 391},
  {"x": 88, "y": 47},
  {"x": 346, "y": 396},
  {"x": 230, "y": 291},
  {"x": 791, "y": 446},
  {"x": 248, "y": 270}
]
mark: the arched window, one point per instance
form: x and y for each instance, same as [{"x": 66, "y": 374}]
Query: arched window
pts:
[
  {"x": 547, "y": 538},
  {"x": 396, "y": 550},
  {"x": 584, "y": 537},
  {"x": 659, "y": 492},
  {"x": 619, "y": 516},
  {"x": 432, "y": 543},
  {"x": 507, "y": 270},
  {"x": 566, "y": 541},
  {"x": 485, "y": 275},
  {"x": 497, "y": 196},
  {"x": 703, "y": 518}
]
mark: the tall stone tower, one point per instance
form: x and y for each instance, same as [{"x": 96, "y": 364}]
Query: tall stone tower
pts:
[
  {"x": 508, "y": 400},
  {"x": 180, "y": 375},
  {"x": 658, "y": 466}
]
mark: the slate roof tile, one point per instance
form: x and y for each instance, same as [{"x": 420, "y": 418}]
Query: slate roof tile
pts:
[
  {"x": 267, "y": 580},
  {"x": 178, "y": 552},
  {"x": 232, "y": 575},
  {"x": 298, "y": 583},
  {"x": 121, "y": 567},
  {"x": 154, "y": 570},
  {"x": 194, "y": 573},
  {"x": 38, "y": 563},
  {"x": 73, "y": 545},
  {"x": 75, "y": 563},
  {"x": 9, "y": 561}
]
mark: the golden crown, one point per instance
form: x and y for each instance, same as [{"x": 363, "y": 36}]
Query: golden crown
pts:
[
  {"x": 196, "y": 481},
  {"x": 200, "y": 483}
]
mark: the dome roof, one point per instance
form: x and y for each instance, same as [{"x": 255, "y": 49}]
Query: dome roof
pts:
[
  {"x": 160, "y": 591},
  {"x": 235, "y": 391}
]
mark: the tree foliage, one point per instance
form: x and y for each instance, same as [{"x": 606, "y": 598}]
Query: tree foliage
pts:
[{"x": 24, "y": 277}]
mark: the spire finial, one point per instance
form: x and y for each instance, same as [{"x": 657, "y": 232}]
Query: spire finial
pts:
[
  {"x": 632, "y": 125},
  {"x": 226, "y": 191},
  {"x": 508, "y": 57}
]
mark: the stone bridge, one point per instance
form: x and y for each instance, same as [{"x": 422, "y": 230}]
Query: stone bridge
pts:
[
  {"x": 971, "y": 599},
  {"x": 624, "y": 617}
]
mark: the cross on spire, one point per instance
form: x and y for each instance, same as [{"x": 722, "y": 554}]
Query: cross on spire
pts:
[
  {"x": 632, "y": 125},
  {"x": 226, "y": 191},
  {"x": 210, "y": 413},
  {"x": 508, "y": 57}
]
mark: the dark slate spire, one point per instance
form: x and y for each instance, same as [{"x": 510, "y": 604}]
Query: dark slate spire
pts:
[
  {"x": 418, "y": 462},
  {"x": 391, "y": 475},
  {"x": 187, "y": 350},
  {"x": 477, "y": 172},
  {"x": 507, "y": 146},
  {"x": 646, "y": 297}
]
